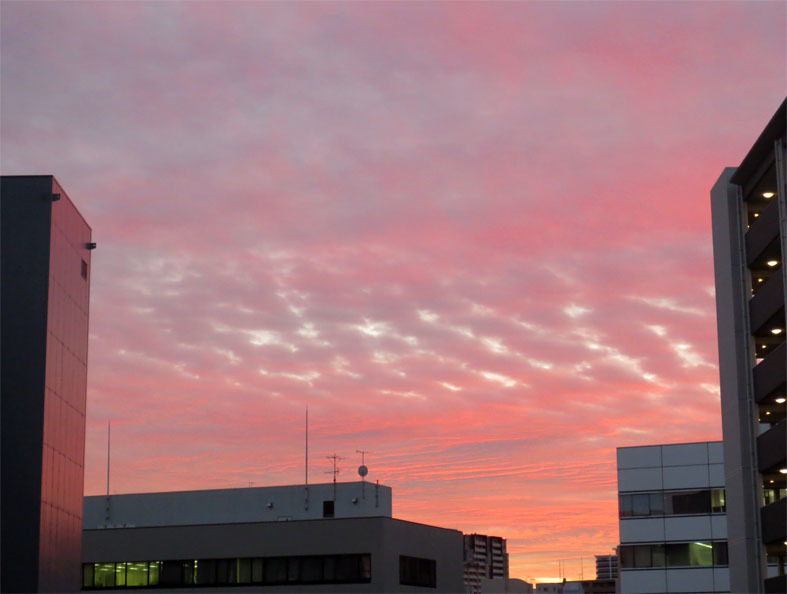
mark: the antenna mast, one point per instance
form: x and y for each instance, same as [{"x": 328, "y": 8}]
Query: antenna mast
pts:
[
  {"x": 109, "y": 435},
  {"x": 306, "y": 465},
  {"x": 335, "y": 470}
]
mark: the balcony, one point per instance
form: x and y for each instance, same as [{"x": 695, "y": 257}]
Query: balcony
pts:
[
  {"x": 766, "y": 304},
  {"x": 776, "y": 585},
  {"x": 773, "y": 519},
  {"x": 771, "y": 373},
  {"x": 762, "y": 233},
  {"x": 771, "y": 449}
]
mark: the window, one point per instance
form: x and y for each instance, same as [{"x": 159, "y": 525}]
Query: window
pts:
[
  {"x": 718, "y": 503},
  {"x": 327, "y": 509},
  {"x": 679, "y": 554},
  {"x": 671, "y": 503},
  {"x": 687, "y": 502},
  {"x": 308, "y": 569},
  {"x": 415, "y": 571}
]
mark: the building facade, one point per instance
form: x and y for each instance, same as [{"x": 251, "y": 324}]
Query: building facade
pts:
[
  {"x": 342, "y": 539},
  {"x": 45, "y": 301},
  {"x": 673, "y": 526},
  {"x": 485, "y": 558},
  {"x": 749, "y": 211},
  {"x": 606, "y": 567}
]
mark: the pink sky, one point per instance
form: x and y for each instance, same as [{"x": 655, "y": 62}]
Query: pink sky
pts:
[{"x": 471, "y": 238}]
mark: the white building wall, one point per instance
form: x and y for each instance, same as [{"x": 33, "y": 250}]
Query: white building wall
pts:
[{"x": 672, "y": 467}]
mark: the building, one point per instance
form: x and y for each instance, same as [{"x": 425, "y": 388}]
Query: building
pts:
[
  {"x": 673, "y": 526},
  {"x": 335, "y": 537},
  {"x": 45, "y": 300},
  {"x": 606, "y": 567},
  {"x": 749, "y": 212},
  {"x": 485, "y": 558}
]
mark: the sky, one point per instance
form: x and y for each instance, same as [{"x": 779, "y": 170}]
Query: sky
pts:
[{"x": 473, "y": 239}]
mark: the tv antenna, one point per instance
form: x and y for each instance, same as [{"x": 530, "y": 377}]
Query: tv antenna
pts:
[{"x": 335, "y": 470}]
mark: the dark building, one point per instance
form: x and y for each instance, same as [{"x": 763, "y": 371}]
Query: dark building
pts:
[
  {"x": 45, "y": 295},
  {"x": 749, "y": 209}
]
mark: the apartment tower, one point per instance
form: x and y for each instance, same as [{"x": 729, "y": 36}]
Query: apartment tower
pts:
[
  {"x": 46, "y": 289},
  {"x": 749, "y": 210}
]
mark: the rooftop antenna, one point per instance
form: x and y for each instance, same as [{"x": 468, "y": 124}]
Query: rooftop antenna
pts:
[
  {"x": 107, "y": 503},
  {"x": 306, "y": 465},
  {"x": 363, "y": 471},
  {"x": 335, "y": 470}
]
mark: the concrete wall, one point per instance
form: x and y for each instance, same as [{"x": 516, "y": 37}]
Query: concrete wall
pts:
[{"x": 228, "y": 506}]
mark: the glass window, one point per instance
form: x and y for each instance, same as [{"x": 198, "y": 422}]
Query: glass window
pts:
[
  {"x": 626, "y": 509},
  {"x": 293, "y": 569},
  {"x": 171, "y": 573},
  {"x": 104, "y": 575},
  {"x": 641, "y": 504},
  {"x": 700, "y": 554},
  {"x": 688, "y": 502},
  {"x": 720, "y": 553},
  {"x": 718, "y": 501},
  {"x": 677, "y": 554},
  {"x": 205, "y": 571},
  {"x": 366, "y": 567},
  {"x": 189, "y": 572},
  {"x": 256, "y": 570},
  {"x": 642, "y": 556},
  {"x": 347, "y": 569},
  {"x": 626, "y": 557},
  {"x": 222, "y": 571},
  {"x": 327, "y": 509},
  {"x": 87, "y": 575},
  {"x": 137, "y": 574},
  {"x": 311, "y": 570},
  {"x": 120, "y": 574},
  {"x": 657, "y": 555},
  {"x": 414, "y": 571},
  {"x": 154, "y": 570},
  {"x": 657, "y": 504},
  {"x": 329, "y": 568},
  {"x": 275, "y": 570}
]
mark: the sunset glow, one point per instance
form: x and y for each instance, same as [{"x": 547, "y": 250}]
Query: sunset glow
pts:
[{"x": 472, "y": 238}]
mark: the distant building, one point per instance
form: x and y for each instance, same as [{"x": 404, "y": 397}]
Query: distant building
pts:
[
  {"x": 673, "y": 526},
  {"x": 45, "y": 300},
  {"x": 606, "y": 567},
  {"x": 749, "y": 213},
  {"x": 330, "y": 538},
  {"x": 485, "y": 557}
]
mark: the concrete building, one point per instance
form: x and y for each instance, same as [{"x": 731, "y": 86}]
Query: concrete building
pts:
[
  {"x": 45, "y": 299},
  {"x": 606, "y": 567},
  {"x": 749, "y": 210},
  {"x": 673, "y": 526},
  {"x": 485, "y": 558},
  {"x": 330, "y": 538}
]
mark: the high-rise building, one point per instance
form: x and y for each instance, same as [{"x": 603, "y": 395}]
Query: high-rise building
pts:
[
  {"x": 673, "y": 527},
  {"x": 485, "y": 557},
  {"x": 45, "y": 296},
  {"x": 749, "y": 210}
]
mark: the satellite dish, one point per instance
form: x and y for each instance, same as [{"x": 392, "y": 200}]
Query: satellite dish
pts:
[{"x": 362, "y": 470}]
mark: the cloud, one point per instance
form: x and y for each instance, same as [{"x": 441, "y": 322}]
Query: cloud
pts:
[{"x": 471, "y": 238}]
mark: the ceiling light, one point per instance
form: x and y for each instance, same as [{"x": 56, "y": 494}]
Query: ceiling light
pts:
[
  {"x": 783, "y": 470},
  {"x": 760, "y": 279},
  {"x": 771, "y": 481},
  {"x": 767, "y": 412},
  {"x": 756, "y": 214},
  {"x": 780, "y": 400},
  {"x": 776, "y": 330},
  {"x": 767, "y": 194},
  {"x": 772, "y": 263},
  {"x": 765, "y": 346}
]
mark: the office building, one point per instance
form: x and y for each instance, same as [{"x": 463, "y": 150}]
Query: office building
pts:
[
  {"x": 485, "y": 558},
  {"x": 327, "y": 538},
  {"x": 749, "y": 211},
  {"x": 606, "y": 567},
  {"x": 673, "y": 526},
  {"x": 45, "y": 297}
]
